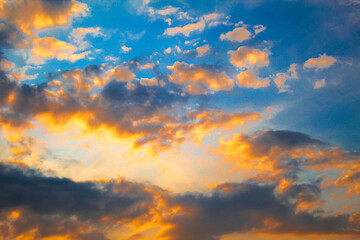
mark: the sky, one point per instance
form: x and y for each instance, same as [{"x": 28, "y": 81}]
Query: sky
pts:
[{"x": 179, "y": 119}]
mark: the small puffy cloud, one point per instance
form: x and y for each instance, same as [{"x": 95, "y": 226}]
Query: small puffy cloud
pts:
[
  {"x": 149, "y": 81},
  {"x": 120, "y": 73},
  {"x": 50, "y": 48},
  {"x": 203, "y": 50},
  {"x": 281, "y": 78},
  {"x": 321, "y": 62},
  {"x": 216, "y": 19},
  {"x": 245, "y": 57},
  {"x": 147, "y": 66},
  {"x": 320, "y": 84},
  {"x": 33, "y": 15},
  {"x": 259, "y": 28},
  {"x": 249, "y": 79},
  {"x": 185, "y": 30},
  {"x": 77, "y": 36},
  {"x": 168, "y": 50},
  {"x": 125, "y": 48},
  {"x": 239, "y": 34},
  {"x": 199, "y": 79},
  {"x": 167, "y": 11},
  {"x": 178, "y": 49},
  {"x": 212, "y": 17}
]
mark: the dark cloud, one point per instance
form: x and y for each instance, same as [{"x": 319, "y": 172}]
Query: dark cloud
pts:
[
  {"x": 10, "y": 36},
  {"x": 86, "y": 200},
  {"x": 58, "y": 206},
  {"x": 246, "y": 207},
  {"x": 6, "y": 86},
  {"x": 285, "y": 139}
]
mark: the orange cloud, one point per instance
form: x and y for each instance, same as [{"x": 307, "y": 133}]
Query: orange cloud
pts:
[
  {"x": 203, "y": 50},
  {"x": 245, "y": 57},
  {"x": 321, "y": 62},
  {"x": 33, "y": 15},
  {"x": 185, "y": 30},
  {"x": 199, "y": 80},
  {"x": 120, "y": 73},
  {"x": 320, "y": 84},
  {"x": 280, "y": 79},
  {"x": 49, "y": 48},
  {"x": 249, "y": 80},
  {"x": 77, "y": 36},
  {"x": 149, "y": 81},
  {"x": 239, "y": 34}
]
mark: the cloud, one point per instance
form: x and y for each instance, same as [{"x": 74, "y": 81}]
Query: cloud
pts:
[
  {"x": 78, "y": 35},
  {"x": 200, "y": 51},
  {"x": 320, "y": 84},
  {"x": 120, "y": 73},
  {"x": 125, "y": 48},
  {"x": 281, "y": 78},
  {"x": 168, "y": 50},
  {"x": 279, "y": 156},
  {"x": 199, "y": 79},
  {"x": 10, "y": 36},
  {"x": 245, "y": 57},
  {"x": 270, "y": 153},
  {"x": 135, "y": 36},
  {"x": 259, "y": 28},
  {"x": 203, "y": 50},
  {"x": 50, "y": 48},
  {"x": 322, "y": 62},
  {"x": 185, "y": 30},
  {"x": 107, "y": 98},
  {"x": 60, "y": 207},
  {"x": 149, "y": 81},
  {"x": 249, "y": 80},
  {"x": 30, "y": 16},
  {"x": 247, "y": 208},
  {"x": 239, "y": 34},
  {"x": 167, "y": 10}
]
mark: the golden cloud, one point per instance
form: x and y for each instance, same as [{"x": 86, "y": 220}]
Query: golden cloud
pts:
[
  {"x": 249, "y": 80},
  {"x": 33, "y": 15},
  {"x": 239, "y": 34},
  {"x": 49, "y": 48},
  {"x": 245, "y": 57},
  {"x": 321, "y": 62},
  {"x": 199, "y": 80}
]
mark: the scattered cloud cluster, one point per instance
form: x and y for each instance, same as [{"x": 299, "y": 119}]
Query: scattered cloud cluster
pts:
[{"x": 199, "y": 79}]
